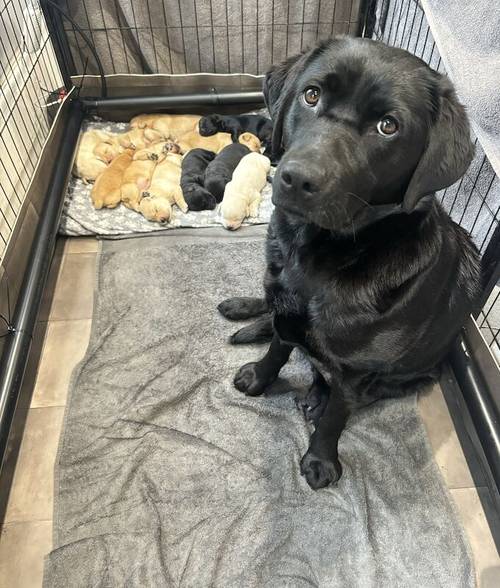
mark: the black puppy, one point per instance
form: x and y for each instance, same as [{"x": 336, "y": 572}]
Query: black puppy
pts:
[
  {"x": 220, "y": 171},
  {"x": 194, "y": 165},
  {"x": 365, "y": 271},
  {"x": 260, "y": 126}
]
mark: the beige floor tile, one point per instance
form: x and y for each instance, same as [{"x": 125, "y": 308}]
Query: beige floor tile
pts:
[
  {"x": 23, "y": 547},
  {"x": 32, "y": 487},
  {"x": 486, "y": 557},
  {"x": 65, "y": 345},
  {"x": 81, "y": 245},
  {"x": 74, "y": 290},
  {"x": 50, "y": 284},
  {"x": 443, "y": 438}
]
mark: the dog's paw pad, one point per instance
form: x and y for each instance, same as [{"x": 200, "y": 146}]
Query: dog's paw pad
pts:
[
  {"x": 247, "y": 380},
  {"x": 319, "y": 472}
]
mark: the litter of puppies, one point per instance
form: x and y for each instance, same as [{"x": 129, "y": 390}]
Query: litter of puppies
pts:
[{"x": 182, "y": 160}]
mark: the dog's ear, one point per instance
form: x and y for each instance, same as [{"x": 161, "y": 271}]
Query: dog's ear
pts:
[
  {"x": 449, "y": 148},
  {"x": 277, "y": 85}
]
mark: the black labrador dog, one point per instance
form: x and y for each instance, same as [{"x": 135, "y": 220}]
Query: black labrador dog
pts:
[
  {"x": 366, "y": 273},
  {"x": 194, "y": 165},
  {"x": 258, "y": 125},
  {"x": 220, "y": 171}
]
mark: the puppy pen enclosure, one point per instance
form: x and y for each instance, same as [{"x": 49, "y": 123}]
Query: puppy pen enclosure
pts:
[{"x": 116, "y": 58}]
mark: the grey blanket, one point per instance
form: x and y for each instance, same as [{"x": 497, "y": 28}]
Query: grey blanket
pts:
[
  {"x": 167, "y": 476},
  {"x": 468, "y": 37}
]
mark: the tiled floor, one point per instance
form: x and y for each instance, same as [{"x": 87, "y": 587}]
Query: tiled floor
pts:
[{"x": 26, "y": 533}]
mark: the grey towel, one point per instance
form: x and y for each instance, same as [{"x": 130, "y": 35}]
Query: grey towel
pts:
[
  {"x": 167, "y": 476},
  {"x": 467, "y": 35}
]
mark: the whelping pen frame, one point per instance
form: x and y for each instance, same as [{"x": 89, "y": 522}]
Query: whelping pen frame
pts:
[{"x": 116, "y": 58}]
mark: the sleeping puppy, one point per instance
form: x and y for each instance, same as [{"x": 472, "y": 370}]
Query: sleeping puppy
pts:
[
  {"x": 217, "y": 142},
  {"x": 366, "y": 273},
  {"x": 220, "y": 171},
  {"x": 106, "y": 191},
  {"x": 137, "y": 177},
  {"x": 194, "y": 165},
  {"x": 171, "y": 126},
  {"x": 260, "y": 126},
  {"x": 164, "y": 190},
  {"x": 95, "y": 151},
  {"x": 242, "y": 195},
  {"x": 139, "y": 138}
]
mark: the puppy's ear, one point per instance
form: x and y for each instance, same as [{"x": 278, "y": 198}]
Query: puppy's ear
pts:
[
  {"x": 449, "y": 149},
  {"x": 277, "y": 95}
]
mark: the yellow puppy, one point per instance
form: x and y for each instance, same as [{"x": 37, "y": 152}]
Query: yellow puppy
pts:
[
  {"x": 106, "y": 191},
  {"x": 137, "y": 177},
  {"x": 165, "y": 190},
  {"x": 242, "y": 194},
  {"x": 157, "y": 149},
  {"x": 251, "y": 141},
  {"x": 139, "y": 138},
  {"x": 217, "y": 142},
  {"x": 95, "y": 151},
  {"x": 172, "y": 126}
]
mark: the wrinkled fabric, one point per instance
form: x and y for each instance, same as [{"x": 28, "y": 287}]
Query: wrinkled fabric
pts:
[
  {"x": 167, "y": 476},
  {"x": 174, "y": 36}
]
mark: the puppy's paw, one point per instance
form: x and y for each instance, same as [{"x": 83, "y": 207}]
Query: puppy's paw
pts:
[
  {"x": 201, "y": 200},
  {"x": 319, "y": 472},
  {"x": 241, "y": 308},
  {"x": 249, "y": 381},
  {"x": 313, "y": 404}
]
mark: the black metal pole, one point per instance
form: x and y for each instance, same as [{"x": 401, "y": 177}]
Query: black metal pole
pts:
[
  {"x": 18, "y": 343},
  {"x": 366, "y": 18},
  {"x": 481, "y": 393},
  {"x": 59, "y": 37},
  {"x": 490, "y": 263},
  {"x": 157, "y": 103}
]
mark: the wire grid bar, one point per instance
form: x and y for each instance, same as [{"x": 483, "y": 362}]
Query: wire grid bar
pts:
[
  {"x": 28, "y": 76},
  {"x": 474, "y": 201},
  {"x": 192, "y": 36}
]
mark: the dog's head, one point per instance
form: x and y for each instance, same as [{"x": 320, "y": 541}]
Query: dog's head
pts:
[
  {"x": 251, "y": 141},
  {"x": 365, "y": 129}
]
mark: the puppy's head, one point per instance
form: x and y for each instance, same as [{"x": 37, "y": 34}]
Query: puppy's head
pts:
[
  {"x": 106, "y": 151},
  {"x": 251, "y": 141},
  {"x": 366, "y": 129},
  {"x": 209, "y": 125}
]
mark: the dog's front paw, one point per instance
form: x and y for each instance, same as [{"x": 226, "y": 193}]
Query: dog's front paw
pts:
[
  {"x": 241, "y": 308},
  {"x": 248, "y": 380},
  {"x": 319, "y": 472}
]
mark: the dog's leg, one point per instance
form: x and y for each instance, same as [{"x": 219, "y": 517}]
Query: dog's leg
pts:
[
  {"x": 320, "y": 465},
  {"x": 260, "y": 331},
  {"x": 242, "y": 307},
  {"x": 313, "y": 404},
  {"x": 253, "y": 378}
]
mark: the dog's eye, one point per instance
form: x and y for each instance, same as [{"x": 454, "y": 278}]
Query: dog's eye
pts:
[
  {"x": 311, "y": 95},
  {"x": 387, "y": 126}
]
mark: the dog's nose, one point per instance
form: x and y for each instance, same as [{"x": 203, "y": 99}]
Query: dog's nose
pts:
[{"x": 302, "y": 178}]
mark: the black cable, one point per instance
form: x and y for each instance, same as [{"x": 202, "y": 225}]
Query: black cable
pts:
[{"x": 88, "y": 42}]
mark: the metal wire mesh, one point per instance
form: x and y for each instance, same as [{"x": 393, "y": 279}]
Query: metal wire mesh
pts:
[
  {"x": 219, "y": 36},
  {"x": 28, "y": 75},
  {"x": 474, "y": 201}
]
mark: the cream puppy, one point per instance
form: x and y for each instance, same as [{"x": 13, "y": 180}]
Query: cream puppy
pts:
[
  {"x": 165, "y": 190},
  {"x": 172, "y": 126},
  {"x": 95, "y": 150},
  {"x": 242, "y": 194}
]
